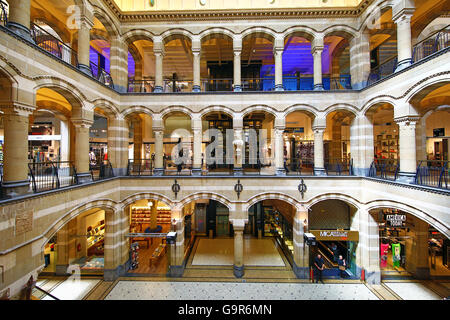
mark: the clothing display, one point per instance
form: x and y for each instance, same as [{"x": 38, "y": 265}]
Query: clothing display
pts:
[
  {"x": 396, "y": 258},
  {"x": 384, "y": 248}
]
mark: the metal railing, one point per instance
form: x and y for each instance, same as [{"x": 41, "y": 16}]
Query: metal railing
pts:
[
  {"x": 301, "y": 167},
  {"x": 56, "y": 47},
  {"x": 433, "y": 43},
  {"x": 339, "y": 167},
  {"x": 141, "y": 86},
  {"x": 52, "y": 175},
  {"x": 171, "y": 168},
  {"x": 340, "y": 83},
  {"x": 178, "y": 85},
  {"x": 140, "y": 167},
  {"x": 101, "y": 171},
  {"x": 101, "y": 75},
  {"x": 386, "y": 169},
  {"x": 217, "y": 84},
  {"x": 433, "y": 173},
  {"x": 3, "y": 13},
  {"x": 218, "y": 169},
  {"x": 382, "y": 71}
]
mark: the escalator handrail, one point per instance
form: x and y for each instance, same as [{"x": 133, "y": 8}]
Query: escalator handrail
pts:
[{"x": 47, "y": 293}]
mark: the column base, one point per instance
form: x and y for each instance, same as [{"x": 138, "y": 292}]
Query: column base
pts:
[
  {"x": 300, "y": 272},
  {"x": 406, "y": 177},
  {"x": 158, "y": 89},
  {"x": 16, "y": 188},
  {"x": 158, "y": 171},
  {"x": 84, "y": 177},
  {"x": 175, "y": 271},
  {"x": 372, "y": 277},
  {"x": 237, "y": 88},
  {"x": 280, "y": 172},
  {"x": 359, "y": 85},
  {"x": 196, "y": 89},
  {"x": 320, "y": 172},
  {"x": 113, "y": 274},
  {"x": 196, "y": 171},
  {"x": 238, "y": 172},
  {"x": 363, "y": 172},
  {"x": 121, "y": 89},
  {"x": 85, "y": 69},
  {"x": 279, "y": 87},
  {"x": 318, "y": 87},
  {"x": 20, "y": 30},
  {"x": 119, "y": 172},
  {"x": 238, "y": 271},
  {"x": 403, "y": 64}
]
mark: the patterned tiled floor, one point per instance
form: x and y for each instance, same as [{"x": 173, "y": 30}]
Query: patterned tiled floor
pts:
[
  {"x": 149, "y": 290},
  {"x": 412, "y": 291}
]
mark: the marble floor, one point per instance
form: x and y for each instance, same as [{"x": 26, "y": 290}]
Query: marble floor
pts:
[
  {"x": 220, "y": 252},
  {"x": 149, "y": 290},
  {"x": 65, "y": 289},
  {"x": 412, "y": 291}
]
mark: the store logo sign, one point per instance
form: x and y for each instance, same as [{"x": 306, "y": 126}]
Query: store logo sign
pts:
[
  {"x": 337, "y": 234},
  {"x": 396, "y": 220}
]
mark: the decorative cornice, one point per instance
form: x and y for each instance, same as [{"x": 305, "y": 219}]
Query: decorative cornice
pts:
[{"x": 235, "y": 14}]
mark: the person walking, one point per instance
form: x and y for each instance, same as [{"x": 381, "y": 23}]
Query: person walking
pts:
[
  {"x": 342, "y": 266},
  {"x": 319, "y": 265},
  {"x": 334, "y": 248}
]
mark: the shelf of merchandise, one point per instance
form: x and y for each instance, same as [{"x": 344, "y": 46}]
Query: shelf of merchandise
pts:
[
  {"x": 387, "y": 148},
  {"x": 95, "y": 237},
  {"x": 143, "y": 215}
]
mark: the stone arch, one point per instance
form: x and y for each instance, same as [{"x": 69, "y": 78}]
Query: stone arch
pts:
[
  {"x": 11, "y": 74},
  {"x": 108, "y": 23},
  {"x": 418, "y": 91},
  {"x": 372, "y": 12},
  {"x": 340, "y": 31},
  {"x": 172, "y": 109},
  {"x": 272, "y": 196},
  {"x": 333, "y": 196},
  {"x": 439, "y": 225},
  {"x": 209, "y": 196},
  {"x": 172, "y": 34},
  {"x": 217, "y": 31},
  {"x": 75, "y": 212},
  {"x": 340, "y": 106},
  {"x": 264, "y": 108},
  {"x": 300, "y": 31},
  {"x": 137, "y": 34},
  {"x": 309, "y": 110},
  {"x": 377, "y": 100},
  {"x": 262, "y": 32},
  {"x": 143, "y": 196},
  {"x": 111, "y": 110},
  {"x": 137, "y": 109},
  {"x": 222, "y": 109}
]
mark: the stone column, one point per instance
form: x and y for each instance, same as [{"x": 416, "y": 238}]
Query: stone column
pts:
[
  {"x": 301, "y": 250},
  {"x": 319, "y": 169},
  {"x": 66, "y": 247},
  {"x": 158, "y": 50},
  {"x": 407, "y": 148},
  {"x": 159, "y": 154},
  {"x": 360, "y": 60},
  {"x": 404, "y": 47},
  {"x": 279, "y": 151},
  {"x": 114, "y": 243},
  {"x": 361, "y": 144},
  {"x": 336, "y": 144},
  {"x": 84, "y": 38},
  {"x": 154, "y": 215},
  {"x": 417, "y": 252},
  {"x": 119, "y": 64},
  {"x": 137, "y": 138},
  {"x": 421, "y": 139},
  {"x": 238, "y": 266},
  {"x": 15, "y": 160},
  {"x": 196, "y": 52},
  {"x": 237, "y": 49},
  {"x": 278, "y": 55},
  {"x": 239, "y": 146},
  {"x": 118, "y": 142},
  {"x": 176, "y": 267},
  {"x": 82, "y": 149},
  {"x": 316, "y": 50},
  {"x": 197, "y": 152},
  {"x": 19, "y": 18}
]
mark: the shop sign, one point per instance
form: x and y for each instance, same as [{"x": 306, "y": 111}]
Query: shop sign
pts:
[
  {"x": 395, "y": 220},
  {"x": 336, "y": 235}
]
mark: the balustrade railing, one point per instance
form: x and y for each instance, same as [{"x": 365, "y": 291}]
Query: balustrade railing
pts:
[
  {"x": 341, "y": 83},
  {"x": 140, "y": 167},
  {"x": 386, "y": 169},
  {"x": 433, "y": 173},
  {"x": 178, "y": 85},
  {"x": 51, "y": 44},
  {"x": 382, "y": 71},
  {"x": 217, "y": 84},
  {"x": 301, "y": 167},
  {"x": 434, "y": 43},
  {"x": 52, "y": 175},
  {"x": 339, "y": 167},
  {"x": 102, "y": 170},
  {"x": 141, "y": 86},
  {"x": 101, "y": 75}
]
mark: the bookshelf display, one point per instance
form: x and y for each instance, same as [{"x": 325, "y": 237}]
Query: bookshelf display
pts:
[{"x": 141, "y": 215}]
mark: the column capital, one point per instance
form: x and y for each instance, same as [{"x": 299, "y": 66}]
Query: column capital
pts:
[
  {"x": 158, "y": 130},
  {"x": 237, "y": 44},
  {"x": 278, "y": 50},
  {"x": 403, "y": 9},
  {"x": 317, "y": 44},
  {"x": 407, "y": 120},
  {"x": 17, "y": 108},
  {"x": 84, "y": 22},
  {"x": 82, "y": 123},
  {"x": 238, "y": 224},
  {"x": 318, "y": 129}
]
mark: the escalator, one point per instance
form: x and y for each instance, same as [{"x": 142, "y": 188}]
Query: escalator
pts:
[{"x": 327, "y": 255}]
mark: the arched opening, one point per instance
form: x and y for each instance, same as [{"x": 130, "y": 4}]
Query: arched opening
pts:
[
  {"x": 336, "y": 146},
  {"x": 216, "y": 63},
  {"x": 149, "y": 222},
  {"x": 218, "y": 125},
  {"x": 100, "y": 53},
  {"x": 334, "y": 224},
  {"x": 178, "y": 64},
  {"x": 298, "y": 64},
  {"x": 410, "y": 247},
  {"x": 385, "y": 141},
  {"x": 259, "y": 151},
  {"x": 257, "y": 62},
  {"x": 141, "y": 65},
  {"x": 298, "y": 139},
  {"x": 141, "y": 143},
  {"x": 336, "y": 62}
]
